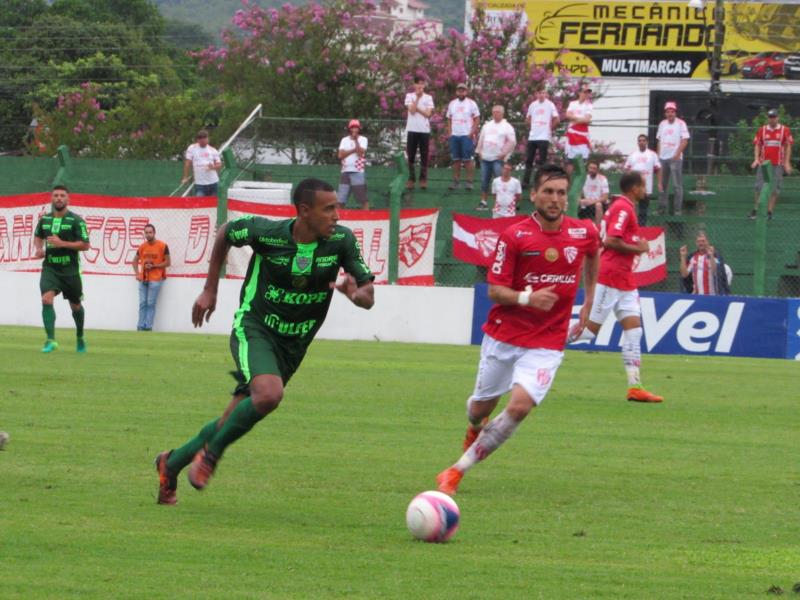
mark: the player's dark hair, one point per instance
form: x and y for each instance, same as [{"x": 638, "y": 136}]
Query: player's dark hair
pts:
[
  {"x": 641, "y": 135},
  {"x": 419, "y": 79},
  {"x": 540, "y": 87},
  {"x": 593, "y": 162},
  {"x": 630, "y": 180},
  {"x": 60, "y": 187},
  {"x": 547, "y": 173},
  {"x": 306, "y": 189},
  {"x": 150, "y": 226}
]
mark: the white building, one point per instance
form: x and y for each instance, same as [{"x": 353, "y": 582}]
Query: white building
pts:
[{"x": 407, "y": 12}]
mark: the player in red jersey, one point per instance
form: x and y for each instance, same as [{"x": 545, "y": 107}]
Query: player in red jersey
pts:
[
  {"x": 616, "y": 289},
  {"x": 533, "y": 282}
]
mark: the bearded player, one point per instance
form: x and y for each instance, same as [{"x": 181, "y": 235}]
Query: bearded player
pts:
[
  {"x": 59, "y": 238},
  {"x": 532, "y": 282},
  {"x": 616, "y": 289},
  {"x": 284, "y": 300}
]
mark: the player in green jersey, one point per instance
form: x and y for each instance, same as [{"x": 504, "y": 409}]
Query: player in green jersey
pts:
[
  {"x": 58, "y": 238},
  {"x": 284, "y": 300}
]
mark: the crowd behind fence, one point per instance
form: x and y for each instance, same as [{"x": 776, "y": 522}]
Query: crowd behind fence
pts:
[{"x": 718, "y": 192}]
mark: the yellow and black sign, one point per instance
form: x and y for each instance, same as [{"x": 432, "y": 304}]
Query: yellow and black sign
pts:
[{"x": 659, "y": 39}]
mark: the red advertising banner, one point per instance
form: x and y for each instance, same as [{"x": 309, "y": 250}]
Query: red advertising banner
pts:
[
  {"x": 474, "y": 241},
  {"x": 116, "y": 229}
]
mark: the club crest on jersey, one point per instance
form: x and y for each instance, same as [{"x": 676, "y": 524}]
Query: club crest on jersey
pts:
[
  {"x": 551, "y": 255},
  {"x": 303, "y": 262},
  {"x": 570, "y": 253},
  {"x": 578, "y": 233}
]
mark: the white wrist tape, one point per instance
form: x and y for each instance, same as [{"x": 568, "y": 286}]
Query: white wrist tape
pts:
[{"x": 524, "y": 297}]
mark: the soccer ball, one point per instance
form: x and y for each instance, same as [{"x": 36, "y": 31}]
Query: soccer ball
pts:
[
  {"x": 4, "y": 437},
  {"x": 433, "y": 517}
]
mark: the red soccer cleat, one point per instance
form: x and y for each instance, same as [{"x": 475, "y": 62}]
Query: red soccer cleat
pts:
[
  {"x": 167, "y": 482},
  {"x": 639, "y": 394},
  {"x": 202, "y": 468},
  {"x": 473, "y": 433},
  {"x": 448, "y": 481}
]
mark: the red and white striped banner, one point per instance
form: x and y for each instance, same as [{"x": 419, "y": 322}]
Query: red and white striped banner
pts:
[
  {"x": 116, "y": 230},
  {"x": 474, "y": 241}
]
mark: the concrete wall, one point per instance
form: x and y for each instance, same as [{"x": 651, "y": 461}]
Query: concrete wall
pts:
[{"x": 401, "y": 313}]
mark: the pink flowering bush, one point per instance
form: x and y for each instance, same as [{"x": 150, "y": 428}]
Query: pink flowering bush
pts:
[
  {"x": 145, "y": 126},
  {"x": 343, "y": 60}
]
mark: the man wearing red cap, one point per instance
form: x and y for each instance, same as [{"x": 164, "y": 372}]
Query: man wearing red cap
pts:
[
  {"x": 673, "y": 137},
  {"x": 352, "y": 150}
]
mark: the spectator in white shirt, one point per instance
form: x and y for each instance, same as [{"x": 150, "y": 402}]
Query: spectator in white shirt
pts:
[
  {"x": 463, "y": 118},
  {"x": 673, "y": 137},
  {"x": 507, "y": 192},
  {"x": 352, "y": 153},
  {"x": 646, "y": 162},
  {"x": 205, "y": 162},
  {"x": 579, "y": 115},
  {"x": 418, "y": 132},
  {"x": 542, "y": 117},
  {"x": 594, "y": 197},
  {"x": 495, "y": 144}
]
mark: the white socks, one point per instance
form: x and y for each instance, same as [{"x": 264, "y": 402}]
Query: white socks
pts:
[
  {"x": 497, "y": 431},
  {"x": 632, "y": 354}
]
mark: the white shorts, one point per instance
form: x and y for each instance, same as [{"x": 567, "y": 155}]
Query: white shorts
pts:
[
  {"x": 503, "y": 365},
  {"x": 573, "y": 151},
  {"x": 624, "y": 303}
]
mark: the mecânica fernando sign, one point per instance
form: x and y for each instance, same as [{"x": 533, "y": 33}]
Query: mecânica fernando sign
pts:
[{"x": 654, "y": 39}]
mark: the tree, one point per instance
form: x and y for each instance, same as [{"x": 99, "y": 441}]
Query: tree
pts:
[{"x": 341, "y": 60}]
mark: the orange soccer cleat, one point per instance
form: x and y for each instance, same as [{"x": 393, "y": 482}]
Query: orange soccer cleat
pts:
[
  {"x": 167, "y": 482},
  {"x": 202, "y": 468},
  {"x": 473, "y": 433},
  {"x": 639, "y": 394},
  {"x": 448, "y": 481}
]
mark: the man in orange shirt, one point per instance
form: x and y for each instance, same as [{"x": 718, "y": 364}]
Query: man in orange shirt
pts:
[{"x": 150, "y": 266}]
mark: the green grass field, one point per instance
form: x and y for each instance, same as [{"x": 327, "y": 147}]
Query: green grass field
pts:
[{"x": 594, "y": 497}]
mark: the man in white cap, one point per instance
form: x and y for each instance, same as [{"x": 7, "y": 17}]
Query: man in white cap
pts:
[
  {"x": 673, "y": 137},
  {"x": 352, "y": 152},
  {"x": 463, "y": 120}
]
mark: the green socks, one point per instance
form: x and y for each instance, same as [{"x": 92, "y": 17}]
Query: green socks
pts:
[
  {"x": 239, "y": 422},
  {"x": 182, "y": 456},
  {"x": 49, "y": 319},
  {"x": 78, "y": 316}
]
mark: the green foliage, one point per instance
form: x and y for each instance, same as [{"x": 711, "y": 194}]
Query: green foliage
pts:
[
  {"x": 740, "y": 142},
  {"x": 593, "y": 497},
  {"x": 143, "y": 125},
  {"x": 50, "y": 51}
]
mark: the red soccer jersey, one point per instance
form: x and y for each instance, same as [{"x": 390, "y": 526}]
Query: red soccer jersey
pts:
[
  {"x": 526, "y": 255},
  {"x": 772, "y": 142},
  {"x": 616, "y": 268}
]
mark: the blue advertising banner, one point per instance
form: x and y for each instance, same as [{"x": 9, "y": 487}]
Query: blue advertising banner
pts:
[
  {"x": 687, "y": 324},
  {"x": 793, "y": 329}
]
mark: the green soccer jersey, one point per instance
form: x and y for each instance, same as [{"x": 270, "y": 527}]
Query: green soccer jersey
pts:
[
  {"x": 70, "y": 228},
  {"x": 287, "y": 286}
]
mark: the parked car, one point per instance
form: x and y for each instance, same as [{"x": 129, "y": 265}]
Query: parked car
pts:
[
  {"x": 764, "y": 65},
  {"x": 791, "y": 66},
  {"x": 732, "y": 60}
]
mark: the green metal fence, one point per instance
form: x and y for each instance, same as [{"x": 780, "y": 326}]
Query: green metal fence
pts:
[{"x": 763, "y": 254}]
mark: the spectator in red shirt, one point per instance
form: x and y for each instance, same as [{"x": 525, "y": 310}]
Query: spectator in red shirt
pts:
[
  {"x": 773, "y": 143},
  {"x": 533, "y": 282},
  {"x": 616, "y": 289}
]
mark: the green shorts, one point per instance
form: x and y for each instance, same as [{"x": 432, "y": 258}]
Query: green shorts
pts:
[
  {"x": 71, "y": 286},
  {"x": 257, "y": 352}
]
